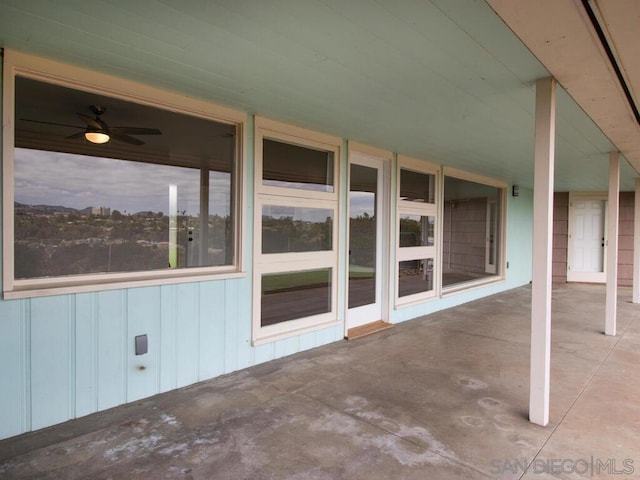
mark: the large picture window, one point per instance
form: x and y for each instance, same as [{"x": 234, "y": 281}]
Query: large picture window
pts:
[
  {"x": 295, "y": 274},
  {"x": 472, "y": 231},
  {"x": 104, "y": 187}
]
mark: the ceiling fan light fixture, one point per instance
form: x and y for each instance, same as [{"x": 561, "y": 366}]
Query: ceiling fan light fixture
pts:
[{"x": 97, "y": 137}]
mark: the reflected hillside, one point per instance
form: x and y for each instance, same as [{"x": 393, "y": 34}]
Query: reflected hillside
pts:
[{"x": 57, "y": 240}]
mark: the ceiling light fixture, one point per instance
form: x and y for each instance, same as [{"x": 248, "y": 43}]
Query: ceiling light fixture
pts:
[{"x": 97, "y": 137}]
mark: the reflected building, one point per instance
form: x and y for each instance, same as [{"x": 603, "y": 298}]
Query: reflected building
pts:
[{"x": 101, "y": 211}]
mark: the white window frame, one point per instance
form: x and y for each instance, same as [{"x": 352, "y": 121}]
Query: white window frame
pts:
[
  {"x": 86, "y": 80},
  {"x": 294, "y": 261},
  {"x": 422, "y": 209},
  {"x": 500, "y": 275}
]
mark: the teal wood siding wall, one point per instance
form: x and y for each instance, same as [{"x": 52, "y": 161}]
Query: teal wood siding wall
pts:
[{"x": 67, "y": 356}]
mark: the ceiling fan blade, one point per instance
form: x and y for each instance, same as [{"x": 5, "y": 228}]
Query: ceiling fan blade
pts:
[
  {"x": 49, "y": 123},
  {"x": 135, "y": 130},
  {"x": 75, "y": 135},
  {"x": 125, "y": 138},
  {"x": 90, "y": 121}
]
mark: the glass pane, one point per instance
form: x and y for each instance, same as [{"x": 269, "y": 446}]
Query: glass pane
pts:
[
  {"x": 471, "y": 231},
  {"x": 296, "y": 229},
  {"x": 292, "y": 295},
  {"x": 417, "y": 231},
  {"x": 293, "y": 166},
  {"x": 362, "y": 235},
  {"x": 417, "y": 187},
  {"x": 415, "y": 276},
  {"x": 140, "y": 202}
]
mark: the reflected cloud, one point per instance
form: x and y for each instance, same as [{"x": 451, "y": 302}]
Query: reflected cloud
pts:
[
  {"x": 361, "y": 203},
  {"x": 79, "y": 181}
]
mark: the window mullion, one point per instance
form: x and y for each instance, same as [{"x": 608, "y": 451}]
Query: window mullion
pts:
[{"x": 204, "y": 214}]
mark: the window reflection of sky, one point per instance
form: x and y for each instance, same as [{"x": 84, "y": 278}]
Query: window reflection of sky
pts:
[
  {"x": 78, "y": 181},
  {"x": 361, "y": 203}
]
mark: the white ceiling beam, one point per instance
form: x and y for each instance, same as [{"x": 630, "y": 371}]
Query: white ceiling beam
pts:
[{"x": 560, "y": 34}]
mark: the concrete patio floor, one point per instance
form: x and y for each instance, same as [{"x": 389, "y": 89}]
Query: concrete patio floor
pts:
[{"x": 441, "y": 397}]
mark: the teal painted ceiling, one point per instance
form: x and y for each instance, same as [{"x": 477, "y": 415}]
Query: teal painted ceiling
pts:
[{"x": 442, "y": 80}]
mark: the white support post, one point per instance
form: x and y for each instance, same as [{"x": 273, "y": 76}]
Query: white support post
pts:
[
  {"x": 613, "y": 209},
  {"x": 542, "y": 251},
  {"x": 636, "y": 245}
]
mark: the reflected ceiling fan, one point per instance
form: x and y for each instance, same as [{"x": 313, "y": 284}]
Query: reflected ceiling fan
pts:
[{"x": 98, "y": 131}]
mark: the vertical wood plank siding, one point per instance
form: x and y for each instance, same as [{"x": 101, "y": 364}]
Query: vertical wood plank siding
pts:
[{"x": 67, "y": 356}]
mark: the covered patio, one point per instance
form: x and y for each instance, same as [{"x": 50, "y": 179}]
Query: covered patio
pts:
[{"x": 441, "y": 396}]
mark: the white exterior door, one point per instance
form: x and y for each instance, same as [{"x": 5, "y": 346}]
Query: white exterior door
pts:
[
  {"x": 366, "y": 239},
  {"x": 586, "y": 248}
]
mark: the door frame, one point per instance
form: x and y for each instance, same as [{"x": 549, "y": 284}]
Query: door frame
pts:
[
  {"x": 586, "y": 277},
  {"x": 361, "y": 154},
  {"x": 492, "y": 236}
]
